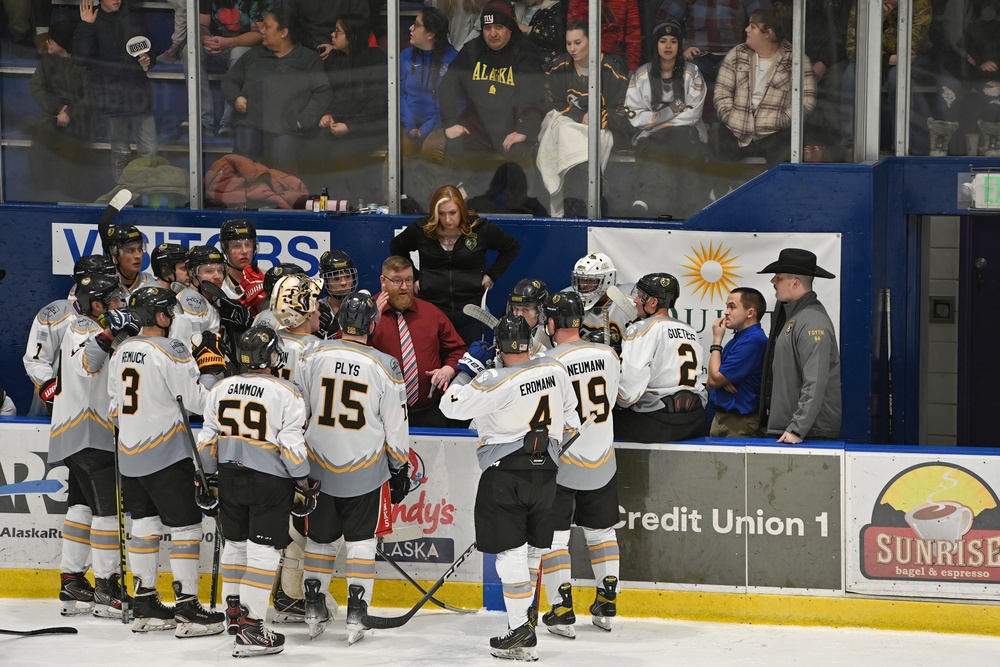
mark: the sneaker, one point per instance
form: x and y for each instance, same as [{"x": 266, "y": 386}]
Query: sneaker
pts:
[
  {"x": 108, "y": 598},
  {"x": 288, "y": 609},
  {"x": 149, "y": 612},
  {"x": 254, "y": 639},
  {"x": 193, "y": 620},
  {"x": 225, "y": 131},
  {"x": 317, "y": 614},
  {"x": 604, "y": 607},
  {"x": 207, "y": 129},
  {"x": 171, "y": 56},
  {"x": 560, "y": 620},
  {"x": 516, "y": 644},
  {"x": 357, "y": 609},
  {"x": 73, "y": 589},
  {"x": 235, "y": 613}
]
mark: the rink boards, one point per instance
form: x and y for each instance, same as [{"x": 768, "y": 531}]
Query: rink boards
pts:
[{"x": 726, "y": 530}]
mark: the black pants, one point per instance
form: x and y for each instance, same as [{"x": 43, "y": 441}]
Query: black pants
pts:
[
  {"x": 513, "y": 507},
  {"x": 659, "y": 426}
]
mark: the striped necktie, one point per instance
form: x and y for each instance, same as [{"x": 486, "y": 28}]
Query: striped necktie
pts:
[{"x": 409, "y": 359}]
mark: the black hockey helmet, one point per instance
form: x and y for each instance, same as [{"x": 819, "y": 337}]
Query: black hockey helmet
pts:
[
  {"x": 147, "y": 301},
  {"x": 331, "y": 265},
  {"x": 661, "y": 286},
  {"x": 528, "y": 292},
  {"x": 98, "y": 287},
  {"x": 236, "y": 230},
  {"x": 260, "y": 347},
  {"x": 94, "y": 264},
  {"x": 357, "y": 314},
  {"x": 565, "y": 309},
  {"x": 165, "y": 258},
  {"x": 512, "y": 334},
  {"x": 200, "y": 255},
  {"x": 122, "y": 236},
  {"x": 279, "y": 271}
]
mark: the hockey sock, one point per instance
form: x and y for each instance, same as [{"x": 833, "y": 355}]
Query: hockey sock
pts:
[
  {"x": 556, "y": 566},
  {"x": 76, "y": 539},
  {"x": 319, "y": 560},
  {"x": 233, "y": 564},
  {"x": 534, "y": 562},
  {"x": 258, "y": 578},
  {"x": 104, "y": 540},
  {"x": 603, "y": 545},
  {"x": 144, "y": 550},
  {"x": 185, "y": 546},
  {"x": 291, "y": 564},
  {"x": 359, "y": 569},
  {"x": 512, "y": 567}
]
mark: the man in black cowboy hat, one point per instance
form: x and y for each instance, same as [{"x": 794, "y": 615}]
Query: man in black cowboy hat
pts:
[{"x": 800, "y": 388}]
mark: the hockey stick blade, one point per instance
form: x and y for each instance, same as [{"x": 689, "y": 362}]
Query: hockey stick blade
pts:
[
  {"x": 591, "y": 420},
  {"x": 480, "y": 315},
  {"x": 61, "y": 630},
  {"x": 386, "y": 622},
  {"x": 622, "y": 300},
  {"x": 433, "y": 600}
]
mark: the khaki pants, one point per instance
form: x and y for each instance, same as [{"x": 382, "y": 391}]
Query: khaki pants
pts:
[{"x": 728, "y": 425}]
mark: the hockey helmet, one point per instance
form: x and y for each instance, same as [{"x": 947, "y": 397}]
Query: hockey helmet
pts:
[
  {"x": 279, "y": 271},
  {"x": 513, "y": 335},
  {"x": 661, "y": 286},
  {"x": 530, "y": 293},
  {"x": 98, "y": 287},
  {"x": 89, "y": 264},
  {"x": 146, "y": 302},
  {"x": 334, "y": 264},
  {"x": 294, "y": 299},
  {"x": 358, "y": 314},
  {"x": 592, "y": 276},
  {"x": 260, "y": 347},
  {"x": 123, "y": 236},
  {"x": 202, "y": 255},
  {"x": 565, "y": 309},
  {"x": 165, "y": 258},
  {"x": 236, "y": 230}
]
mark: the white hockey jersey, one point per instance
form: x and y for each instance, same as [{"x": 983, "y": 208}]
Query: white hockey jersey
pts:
[
  {"x": 266, "y": 318},
  {"x": 660, "y": 356},
  {"x": 255, "y": 420},
  {"x": 295, "y": 345},
  {"x": 593, "y": 371},
  {"x": 357, "y": 428},
  {"x": 147, "y": 375},
  {"x": 593, "y": 321},
  {"x": 505, "y": 403},
  {"x": 41, "y": 353},
  {"x": 80, "y": 409},
  {"x": 192, "y": 315}
]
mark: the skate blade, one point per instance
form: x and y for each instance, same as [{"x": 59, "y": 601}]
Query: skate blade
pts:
[
  {"x": 112, "y": 613},
  {"x": 354, "y": 636},
  {"x": 73, "y": 608},
  {"x": 316, "y": 629},
  {"x": 153, "y": 624},
  {"x": 283, "y": 618},
  {"x": 520, "y": 653},
  {"x": 567, "y": 631},
  {"x": 242, "y": 651},
  {"x": 603, "y": 622},
  {"x": 185, "y": 630}
]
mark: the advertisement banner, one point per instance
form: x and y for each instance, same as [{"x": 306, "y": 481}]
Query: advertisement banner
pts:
[{"x": 923, "y": 525}]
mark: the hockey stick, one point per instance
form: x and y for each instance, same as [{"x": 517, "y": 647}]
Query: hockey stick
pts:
[
  {"x": 888, "y": 361},
  {"x": 120, "y": 502},
  {"x": 591, "y": 420},
  {"x": 433, "y": 600},
  {"x": 622, "y": 300},
  {"x": 61, "y": 630},
  {"x": 482, "y": 304},
  {"x": 480, "y": 314},
  {"x": 607, "y": 327},
  {"x": 386, "y": 622},
  {"x": 117, "y": 203},
  {"x": 199, "y": 472}
]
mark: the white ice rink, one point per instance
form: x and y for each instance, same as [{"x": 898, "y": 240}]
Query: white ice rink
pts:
[{"x": 442, "y": 638}]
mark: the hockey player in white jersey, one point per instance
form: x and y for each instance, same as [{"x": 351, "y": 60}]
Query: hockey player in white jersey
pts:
[
  {"x": 193, "y": 314},
  {"x": 660, "y": 398},
  {"x": 587, "y": 492},
  {"x": 147, "y": 375},
  {"x": 41, "y": 356},
  {"x": 520, "y": 412},
  {"x": 252, "y": 439},
  {"x": 526, "y": 300},
  {"x": 271, "y": 277},
  {"x": 207, "y": 270},
  {"x": 82, "y": 436},
  {"x": 340, "y": 278},
  {"x": 125, "y": 246},
  {"x": 592, "y": 275},
  {"x": 359, "y": 449}
]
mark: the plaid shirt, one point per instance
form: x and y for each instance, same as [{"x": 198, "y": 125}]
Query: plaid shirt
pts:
[
  {"x": 713, "y": 25},
  {"x": 734, "y": 89}
]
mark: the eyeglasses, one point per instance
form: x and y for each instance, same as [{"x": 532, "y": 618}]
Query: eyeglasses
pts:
[
  {"x": 399, "y": 281},
  {"x": 418, "y": 24}
]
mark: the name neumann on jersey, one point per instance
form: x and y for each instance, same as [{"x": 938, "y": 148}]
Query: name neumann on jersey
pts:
[
  {"x": 588, "y": 366},
  {"x": 537, "y": 385},
  {"x": 48, "y": 533},
  {"x": 254, "y": 391}
]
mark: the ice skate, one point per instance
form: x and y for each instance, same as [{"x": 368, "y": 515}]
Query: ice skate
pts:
[
  {"x": 941, "y": 132},
  {"x": 235, "y": 613},
  {"x": 560, "y": 620},
  {"x": 76, "y": 594},
  {"x": 604, "y": 607},
  {"x": 516, "y": 644},
  {"x": 149, "y": 612},
  {"x": 253, "y": 639},
  {"x": 288, "y": 609},
  {"x": 193, "y": 620},
  {"x": 317, "y": 615},
  {"x": 357, "y": 608},
  {"x": 107, "y": 598}
]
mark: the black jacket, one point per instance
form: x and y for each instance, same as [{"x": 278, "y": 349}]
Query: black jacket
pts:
[{"x": 118, "y": 84}]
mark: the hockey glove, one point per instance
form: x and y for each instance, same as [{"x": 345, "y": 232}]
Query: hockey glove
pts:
[
  {"x": 122, "y": 323},
  {"x": 306, "y": 497},
  {"x": 207, "y": 500},
  {"x": 208, "y": 354},
  {"x": 105, "y": 341},
  {"x": 253, "y": 287},
  {"x": 477, "y": 359},
  {"x": 231, "y": 313},
  {"x": 399, "y": 483},
  {"x": 328, "y": 327},
  {"x": 48, "y": 390}
]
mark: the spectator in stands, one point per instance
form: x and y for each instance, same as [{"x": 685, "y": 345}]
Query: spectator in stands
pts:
[
  {"x": 452, "y": 243},
  {"x": 421, "y": 68},
  {"x": 971, "y": 28},
  {"x": 542, "y": 22},
  {"x": 620, "y": 30},
  {"x": 563, "y": 139},
  {"x": 229, "y": 28},
  {"x": 507, "y": 194},
  {"x": 279, "y": 92},
  {"x": 41, "y": 11},
  {"x": 665, "y": 100},
  {"x": 174, "y": 54},
  {"x": 59, "y": 86},
  {"x": 712, "y": 28},
  {"x": 753, "y": 90},
  {"x": 18, "y": 15},
  {"x": 826, "y": 28},
  {"x": 463, "y": 19},
  {"x": 320, "y": 17},
  {"x": 119, "y": 88}
]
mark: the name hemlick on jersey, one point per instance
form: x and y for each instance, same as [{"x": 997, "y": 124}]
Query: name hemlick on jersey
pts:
[
  {"x": 133, "y": 357},
  {"x": 256, "y": 391},
  {"x": 587, "y": 366},
  {"x": 537, "y": 385}
]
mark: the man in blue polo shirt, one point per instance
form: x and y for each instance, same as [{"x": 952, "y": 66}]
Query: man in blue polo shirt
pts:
[{"x": 734, "y": 371}]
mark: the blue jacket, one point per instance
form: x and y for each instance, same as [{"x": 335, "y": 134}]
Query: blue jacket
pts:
[{"x": 419, "y": 104}]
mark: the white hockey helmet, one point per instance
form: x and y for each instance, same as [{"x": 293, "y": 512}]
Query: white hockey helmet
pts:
[
  {"x": 592, "y": 276},
  {"x": 294, "y": 298}
]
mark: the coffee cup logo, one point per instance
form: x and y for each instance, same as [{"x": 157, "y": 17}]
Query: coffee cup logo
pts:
[{"x": 945, "y": 520}]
